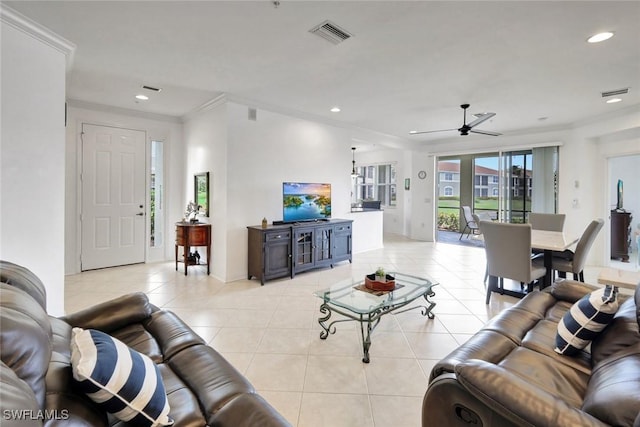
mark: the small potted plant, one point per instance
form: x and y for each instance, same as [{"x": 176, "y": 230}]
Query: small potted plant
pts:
[{"x": 380, "y": 274}]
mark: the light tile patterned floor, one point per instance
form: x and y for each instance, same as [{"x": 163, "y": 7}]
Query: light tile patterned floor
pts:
[{"x": 270, "y": 333}]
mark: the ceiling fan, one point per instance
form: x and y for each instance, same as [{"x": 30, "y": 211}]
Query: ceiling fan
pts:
[{"x": 466, "y": 127}]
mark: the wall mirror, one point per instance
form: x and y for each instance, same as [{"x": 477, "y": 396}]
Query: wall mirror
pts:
[{"x": 201, "y": 191}]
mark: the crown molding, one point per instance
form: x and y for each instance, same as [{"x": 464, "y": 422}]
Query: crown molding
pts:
[
  {"x": 75, "y": 103},
  {"x": 38, "y": 32},
  {"x": 209, "y": 105}
]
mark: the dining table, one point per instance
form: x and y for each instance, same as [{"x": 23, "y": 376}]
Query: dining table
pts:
[{"x": 549, "y": 242}]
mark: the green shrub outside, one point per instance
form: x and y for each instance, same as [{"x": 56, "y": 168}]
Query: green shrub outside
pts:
[{"x": 448, "y": 221}]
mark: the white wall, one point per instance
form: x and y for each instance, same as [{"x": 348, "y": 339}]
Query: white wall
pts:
[
  {"x": 205, "y": 135},
  {"x": 32, "y": 151},
  {"x": 265, "y": 153},
  {"x": 249, "y": 160},
  {"x": 423, "y": 193},
  {"x": 159, "y": 128}
]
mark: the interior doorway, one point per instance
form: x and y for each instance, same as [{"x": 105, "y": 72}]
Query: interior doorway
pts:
[{"x": 624, "y": 205}]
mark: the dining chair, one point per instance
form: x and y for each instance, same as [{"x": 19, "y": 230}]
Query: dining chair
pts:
[
  {"x": 508, "y": 250},
  {"x": 573, "y": 262},
  {"x": 546, "y": 221},
  {"x": 470, "y": 223}
]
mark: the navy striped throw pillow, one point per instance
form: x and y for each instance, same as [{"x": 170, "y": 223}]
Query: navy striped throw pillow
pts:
[
  {"x": 121, "y": 380},
  {"x": 586, "y": 319}
]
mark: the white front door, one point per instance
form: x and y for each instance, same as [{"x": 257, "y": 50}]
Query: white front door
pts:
[{"x": 113, "y": 196}]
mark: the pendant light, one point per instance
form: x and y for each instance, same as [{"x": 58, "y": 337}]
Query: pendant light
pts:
[{"x": 354, "y": 174}]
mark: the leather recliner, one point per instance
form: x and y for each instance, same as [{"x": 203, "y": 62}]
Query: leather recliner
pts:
[
  {"x": 36, "y": 386},
  {"x": 508, "y": 373}
]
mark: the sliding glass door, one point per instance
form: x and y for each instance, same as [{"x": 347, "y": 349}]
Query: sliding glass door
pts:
[
  {"x": 517, "y": 189},
  {"x": 486, "y": 185},
  {"x": 503, "y": 185},
  {"x": 529, "y": 183}
]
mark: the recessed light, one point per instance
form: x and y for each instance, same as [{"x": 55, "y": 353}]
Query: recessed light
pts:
[
  {"x": 142, "y": 97},
  {"x": 335, "y": 110},
  {"x": 613, "y": 100},
  {"x": 600, "y": 37},
  {"x": 412, "y": 132}
]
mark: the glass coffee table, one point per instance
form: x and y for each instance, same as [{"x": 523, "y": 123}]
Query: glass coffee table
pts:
[{"x": 352, "y": 299}]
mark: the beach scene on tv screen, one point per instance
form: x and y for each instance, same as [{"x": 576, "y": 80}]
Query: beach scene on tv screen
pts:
[{"x": 305, "y": 201}]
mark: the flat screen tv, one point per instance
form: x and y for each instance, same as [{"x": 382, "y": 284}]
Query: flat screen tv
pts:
[{"x": 303, "y": 201}]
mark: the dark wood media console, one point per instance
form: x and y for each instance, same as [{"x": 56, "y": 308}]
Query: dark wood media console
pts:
[{"x": 288, "y": 249}]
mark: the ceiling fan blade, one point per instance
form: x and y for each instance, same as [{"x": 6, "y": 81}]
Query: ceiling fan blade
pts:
[
  {"x": 485, "y": 132},
  {"x": 482, "y": 118},
  {"x": 413, "y": 132}
]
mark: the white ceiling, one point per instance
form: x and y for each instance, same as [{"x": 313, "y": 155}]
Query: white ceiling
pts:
[{"x": 408, "y": 66}]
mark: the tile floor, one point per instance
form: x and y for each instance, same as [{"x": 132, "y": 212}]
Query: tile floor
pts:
[{"x": 270, "y": 333}]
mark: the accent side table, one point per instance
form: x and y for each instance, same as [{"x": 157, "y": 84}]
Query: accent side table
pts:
[{"x": 191, "y": 235}]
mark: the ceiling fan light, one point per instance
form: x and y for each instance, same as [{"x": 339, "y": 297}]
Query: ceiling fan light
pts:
[{"x": 600, "y": 37}]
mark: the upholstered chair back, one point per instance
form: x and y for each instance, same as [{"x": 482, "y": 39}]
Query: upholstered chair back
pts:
[
  {"x": 508, "y": 250},
  {"x": 546, "y": 221}
]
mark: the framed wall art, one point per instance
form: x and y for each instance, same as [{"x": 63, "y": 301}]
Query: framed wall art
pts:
[{"x": 201, "y": 191}]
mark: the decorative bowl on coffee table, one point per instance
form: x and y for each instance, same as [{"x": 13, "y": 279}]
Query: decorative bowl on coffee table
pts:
[{"x": 370, "y": 282}]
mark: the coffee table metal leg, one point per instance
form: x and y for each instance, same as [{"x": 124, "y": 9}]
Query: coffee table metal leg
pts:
[
  {"x": 426, "y": 311},
  {"x": 328, "y": 329},
  {"x": 366, "y": 340}
]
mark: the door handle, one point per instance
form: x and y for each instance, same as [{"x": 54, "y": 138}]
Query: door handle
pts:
[{"x": 140, "y": 214}]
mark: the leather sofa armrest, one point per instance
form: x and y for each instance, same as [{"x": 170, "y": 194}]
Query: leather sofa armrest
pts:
[
  {"x": 516, "y": 399},
  {"x": 571, "y": 290},
  {"x": 248, "y": 410},
  {"x": 113, "y": 314}
]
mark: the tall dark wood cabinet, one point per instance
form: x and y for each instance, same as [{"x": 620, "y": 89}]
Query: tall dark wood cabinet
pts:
[
  {"x": 620, "y": 235},
  {"x": 288, "y": 249}
]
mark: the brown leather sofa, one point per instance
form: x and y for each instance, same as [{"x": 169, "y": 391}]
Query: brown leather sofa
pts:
[
  {"x": 36, "y": 386},
  {"x": 508, "y": 373}
]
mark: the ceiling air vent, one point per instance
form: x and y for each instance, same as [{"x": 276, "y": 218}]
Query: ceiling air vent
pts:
[
  {"x": 331, "y": 32},
  {"x": 155, "y": 89},
  {"x": 615, "y": 92}
]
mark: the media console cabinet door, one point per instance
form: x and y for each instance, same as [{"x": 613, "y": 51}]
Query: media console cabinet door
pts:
[{"x": 277, "y": 254}]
